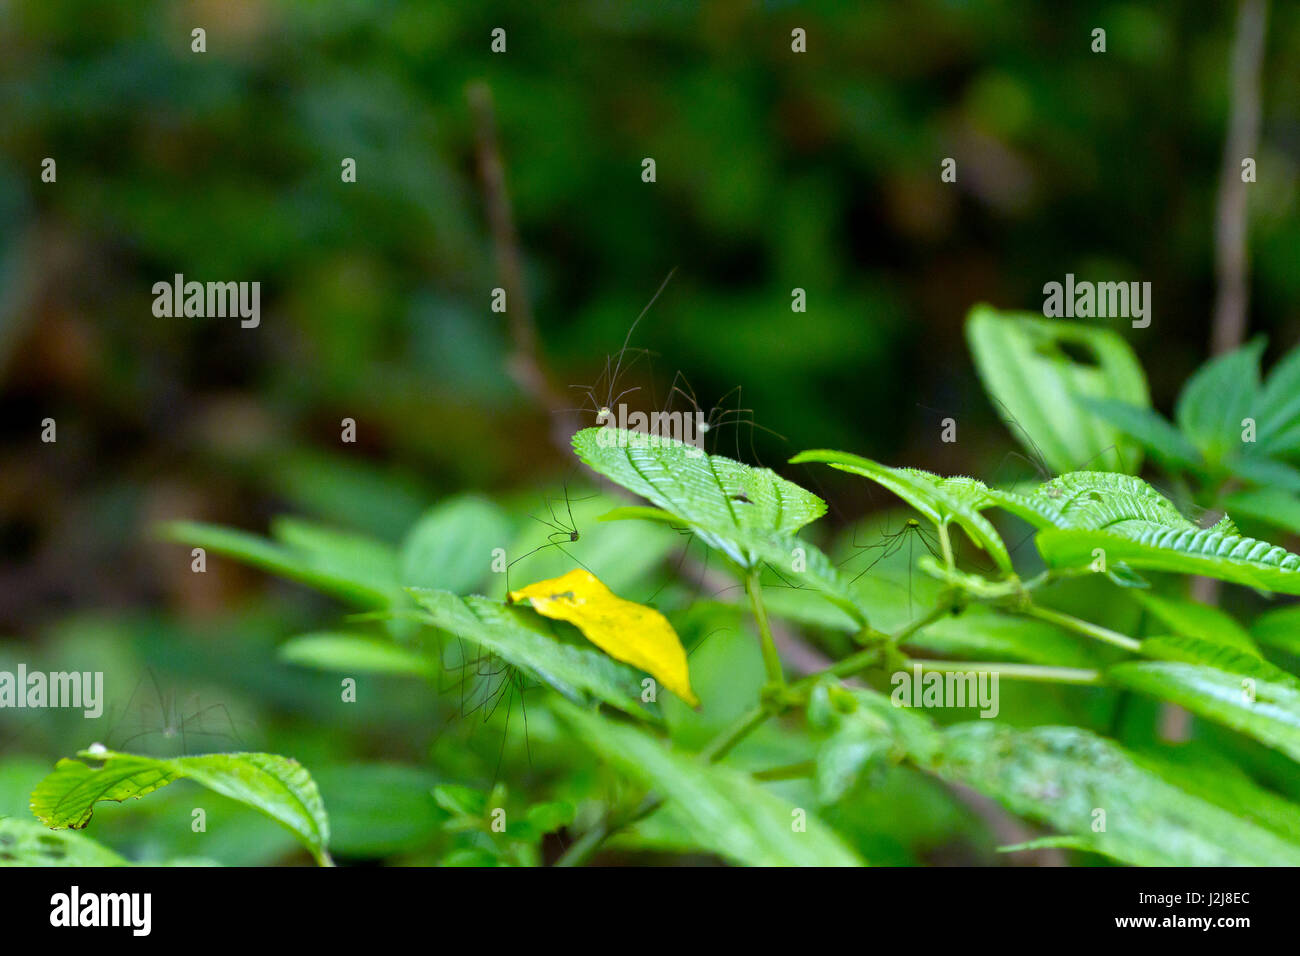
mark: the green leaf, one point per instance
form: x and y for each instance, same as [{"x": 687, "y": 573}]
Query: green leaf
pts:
[
  {"x": 470, "y": 856},
  {"x": 1231, "y": 558},
  {"x": 1215, "y": 400},
  {"x": 1194, "y": 619},
  {"x": 843, "y": 759},
  {"x": 621, "y": 553},
  {"x": 944, "y": 501},
  {"x": 1060, "y": 775},
  {"x": 749, "y": 514},
  {"x": 27, "y": 843},
  {"x": 1265, "y": 472},
  {"x": 1194, "y": 650},
  {"x": 579, "y": 672},
  {"x": 724, "y": 810},
  {"x": 549, "y": 817},
  {"x": 1268, "y": 505},
  {"x": 716, "y": 494},
  {"x": 1266, "y": 710},
  {"x": 1090, "y": 500},
  {"x": 354, "y": 653},
  {"x": 1208, "y": 775},
  {"x": 450, "y": 547},
  {"x": 1278, "y": 419},
  {"x": 642, "y": 513},
  {"x": 1137, "y": 527},
  {"x": 1026, "y": 370},
  {"x": 343, "y": 554},
  {"x": 378, "y": 810},
  {"x": 865, "y": 732},
  {"x": 317, "y": 569},
  {"x": 1149, "y": 429},
  {"x": 276, "y": 786},
  {"x": 461, "y": 801},
  {"x": 1279, "y": 628}
]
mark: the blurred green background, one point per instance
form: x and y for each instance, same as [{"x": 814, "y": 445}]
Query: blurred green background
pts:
[{"x": 775, "y": 170}]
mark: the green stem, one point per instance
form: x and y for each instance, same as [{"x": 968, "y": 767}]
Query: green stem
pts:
[
  {"x": 741, "y": 728},
  {"x": 870, "y": 656},
  {"x": 791, "y": 771},
  {"x": 946, "y": 543},
  {"x": 1034, "y": 672},
  {"x": 1086, "y": 628},
  {"x": 771, "y": 660}
]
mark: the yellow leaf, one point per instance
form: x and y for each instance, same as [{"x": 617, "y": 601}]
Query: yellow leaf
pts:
[{"x": 624, "y": 630}]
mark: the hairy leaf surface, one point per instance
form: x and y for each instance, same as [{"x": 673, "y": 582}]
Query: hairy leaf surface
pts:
[
  {"x": 1228, "y": 557},
  {"x": 749, "y": 514},
  {"x": 276, "y": 786}
]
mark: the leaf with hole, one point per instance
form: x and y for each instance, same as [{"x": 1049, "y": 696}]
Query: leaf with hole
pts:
[
  {"x": 276, "y": 786},
  {"x": 1041, "y": 371}
]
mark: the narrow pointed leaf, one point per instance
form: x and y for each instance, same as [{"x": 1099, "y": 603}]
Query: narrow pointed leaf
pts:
[
  {"x": 355, "y": 653},
  {"x": 1268, "y": 505},
  {"x": 1279, "y": 628},
  {"x": 313, "y": 569},
  {"x": 1215, "y": 400},
  {"x": 1195, "y": 650},
  {"x": 1149, "y": 429},
  {"x": 1194, "y": 619}
]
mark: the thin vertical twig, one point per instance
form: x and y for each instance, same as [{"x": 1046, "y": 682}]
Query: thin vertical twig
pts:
[
  {"x": 525, "y": 364},
  {"x": 1230, "y": 254}
]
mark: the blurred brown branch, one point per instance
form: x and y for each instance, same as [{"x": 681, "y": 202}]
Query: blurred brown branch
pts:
[
  {"x": 1231, "y": 259},
  {"x": 525, "y": 365}
]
